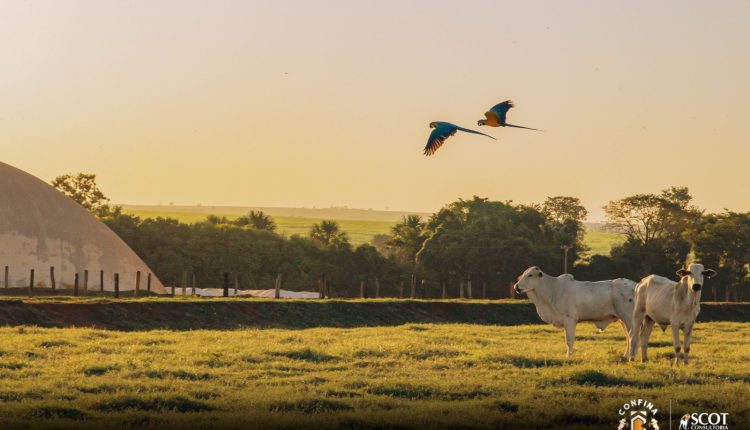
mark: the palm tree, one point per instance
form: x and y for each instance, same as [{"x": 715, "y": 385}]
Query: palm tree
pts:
[
  {"x": 328, "y": 233},
  {"x": 217, "y": 220},
  {"x": 407, "y": 237},
  {"x": 260, "y": 221}
]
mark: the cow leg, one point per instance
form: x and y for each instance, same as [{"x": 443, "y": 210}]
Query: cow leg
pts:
[
  {"x": 676, "y": 341},
  {"x": 627, "y": 337},
  {"x": 635, "y": 330},
  {"x": 688, "y": 336},
  {"x": 570, "y": 334},
  {"x": 648, "y": 326}
]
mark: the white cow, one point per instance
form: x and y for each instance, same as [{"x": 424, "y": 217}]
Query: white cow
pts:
[
  {"x": 564, "y": 302},
  {"x": 659, "y": 300}
]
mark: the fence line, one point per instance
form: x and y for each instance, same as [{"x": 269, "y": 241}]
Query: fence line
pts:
[{"x": 366, "y": 288}]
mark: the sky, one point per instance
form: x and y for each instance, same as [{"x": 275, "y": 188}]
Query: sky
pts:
[{"x": 327, "y": 103}]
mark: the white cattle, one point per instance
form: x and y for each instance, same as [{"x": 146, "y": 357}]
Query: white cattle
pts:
[
  {"x": 659, "y": 300},
  {"x": 564, "y": 302}
]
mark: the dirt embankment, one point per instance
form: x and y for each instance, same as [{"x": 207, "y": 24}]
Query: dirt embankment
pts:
[{"x": 180, "y": 314}]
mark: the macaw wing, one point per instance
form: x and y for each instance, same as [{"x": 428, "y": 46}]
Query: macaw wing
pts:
[
  {"x": 438, "y": 137},
  {"x": 501, "y": 109}
]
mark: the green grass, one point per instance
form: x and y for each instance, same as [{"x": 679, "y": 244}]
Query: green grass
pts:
[
  {"x": 408, "y": 376},
  {"x": 601, "y": 242}
]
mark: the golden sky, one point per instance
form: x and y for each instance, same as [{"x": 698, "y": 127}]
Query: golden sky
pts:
[{"x": 303, "y": 103}]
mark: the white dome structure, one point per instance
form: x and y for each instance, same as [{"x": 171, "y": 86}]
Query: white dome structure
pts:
[{"x": 42, "y": 228}]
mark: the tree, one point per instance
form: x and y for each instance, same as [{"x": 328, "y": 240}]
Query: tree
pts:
[
  {"x": 257, "y": 220},
  {"x": 486, "y": 241},
  {"x": 648, "y": 217},
  {"x": 722, "y": 241},
  {"x": 565, "y": 216},
  {"x": 406, "y": 238},
  {"x": 217, "y": 220},
  {"x": 82, "y": 188},
  {"x": 654, "y": 225},
  {"x": 562, "y": 208},
  {"x": 328, "y": 233}
]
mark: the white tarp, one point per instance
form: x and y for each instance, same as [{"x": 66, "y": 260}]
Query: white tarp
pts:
[{"x": 219, "y": 292}]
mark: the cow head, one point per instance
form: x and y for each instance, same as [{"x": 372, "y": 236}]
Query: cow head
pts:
[
  {"x": 528, "y": 280},
  {"x": 695, "y": 275}
]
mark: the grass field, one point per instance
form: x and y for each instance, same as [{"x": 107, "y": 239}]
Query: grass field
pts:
[
  {"x": 601, "y": 242},
  {"x": 361, "y": 225},
  {"x": 404, "y": 376}
]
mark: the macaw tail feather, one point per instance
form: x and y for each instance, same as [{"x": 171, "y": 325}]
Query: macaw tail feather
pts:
[{"x": 520, "y": 126}]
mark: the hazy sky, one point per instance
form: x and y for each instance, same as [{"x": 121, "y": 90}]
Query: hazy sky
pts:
[{"x": 302, "y": 103}]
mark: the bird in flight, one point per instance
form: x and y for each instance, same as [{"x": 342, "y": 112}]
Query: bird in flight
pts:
[
  {"x": 496, "y": 116},
  {"x": 442, "y": 131}
]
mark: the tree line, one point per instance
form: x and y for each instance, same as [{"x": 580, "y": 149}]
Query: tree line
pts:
[{"x": 475, "y": 245}]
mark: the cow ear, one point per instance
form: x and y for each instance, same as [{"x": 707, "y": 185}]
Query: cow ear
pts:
[
  {"x": 683, "y": 272},
  {"x": 709, "y": 273}
]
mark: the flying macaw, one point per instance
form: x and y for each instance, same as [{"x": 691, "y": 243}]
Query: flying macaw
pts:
[
  {"x": 441, "y": 132},
  {"x": 496, "y": 116}
]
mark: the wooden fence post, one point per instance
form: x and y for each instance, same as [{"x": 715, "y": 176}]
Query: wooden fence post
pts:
[
  {"x": 137, "y": 283},
  {"x": 277, "y": 287},
  {"x": 512, "y": 293},
  {"x": 377, "y": 288},
  {"x": 424, "y": 289},
  {"x": 148, "y": 283},
  {"x": 193, "y": 293},
  {"x": 85, "y": 282},
  {"x": 52, "y": 277},
  {"x": 117, "y": 285},
  {"x": 468, "y": 287},
  {"x": 31, "y": 283},
  {"x": 75, "y": 285},
  {"x": 184, "y": 281},
  {"x": 226, "y": 284},
  {"x": 236, "y": 283},
  {"x": 361, "y": 289},
  {"x": 101, "y": 281},
  {"x": 461, "y": 290},
  {"x": 7, "y": 270},
  {"x": 326, "y": 293},
  {"x": 174, "y": 282},
  {"x": 413, "y": 285}
]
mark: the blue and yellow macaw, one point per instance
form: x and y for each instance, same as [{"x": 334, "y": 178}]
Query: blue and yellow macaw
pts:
[
  {"x": 496, "y": 116},
  {"x": 441, "y": 132}
]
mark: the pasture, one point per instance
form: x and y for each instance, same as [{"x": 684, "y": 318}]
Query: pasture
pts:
[
  {"x": 601, "y": 242},
  {"x": 397, "y": 375}
]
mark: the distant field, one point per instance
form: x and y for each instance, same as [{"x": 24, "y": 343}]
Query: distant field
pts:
[
  {"x": 360, "y": 224},
  {"x": 360, "y": 231},
  {"x": 413, "y": 376},
  {"x": 601, "y": 242}
]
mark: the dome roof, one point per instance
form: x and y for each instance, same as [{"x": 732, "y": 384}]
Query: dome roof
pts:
[{"x": 41, "y": 228}]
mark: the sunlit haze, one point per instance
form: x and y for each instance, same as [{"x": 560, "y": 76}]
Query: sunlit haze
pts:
[{"x": 321, "y": 103}]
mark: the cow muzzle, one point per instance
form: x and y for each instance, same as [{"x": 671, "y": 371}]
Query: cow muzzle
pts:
[
  {"x": 517, "y": 289},
  {"x": 696, "y": 287}
]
